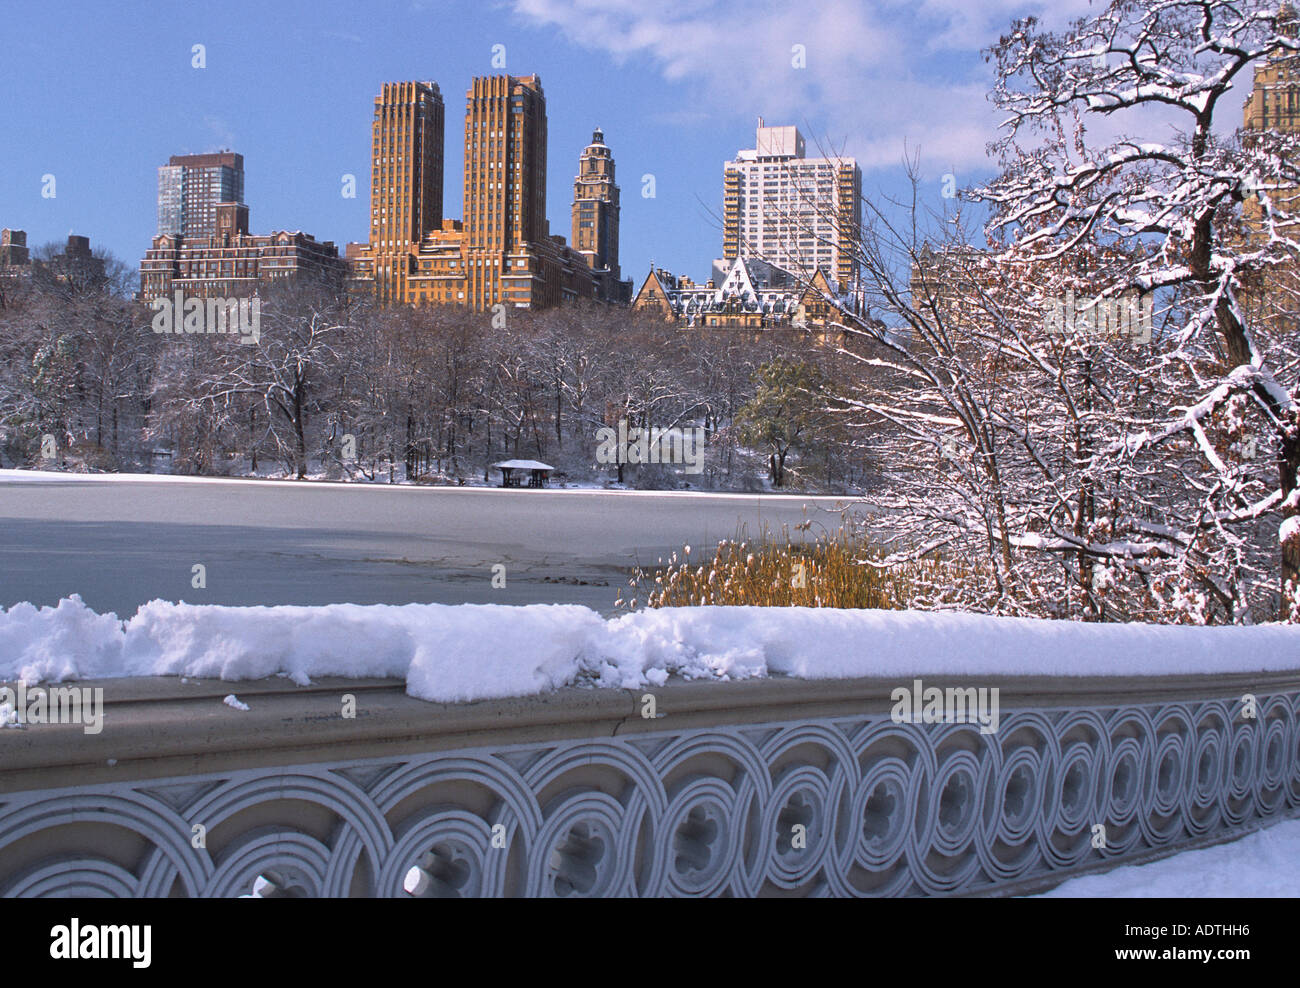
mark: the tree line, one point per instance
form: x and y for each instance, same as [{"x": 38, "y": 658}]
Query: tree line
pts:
[{"x": 335, "y": 385}]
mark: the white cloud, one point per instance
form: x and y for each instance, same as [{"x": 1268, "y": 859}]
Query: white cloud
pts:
[
  {"x": 956, "y": 25},
  {"x": 879, "y": 76}
]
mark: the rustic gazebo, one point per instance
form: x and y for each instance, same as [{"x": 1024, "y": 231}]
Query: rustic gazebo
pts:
[{"x": 513, "y": 472}]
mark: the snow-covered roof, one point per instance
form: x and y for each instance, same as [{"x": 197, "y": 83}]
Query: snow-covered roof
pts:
[
  {"x": 755, "y": 285},
  {"x": 522, "y": 465}
]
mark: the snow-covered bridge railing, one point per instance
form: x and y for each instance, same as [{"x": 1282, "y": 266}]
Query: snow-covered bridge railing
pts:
[{"x": 773, "y": 786}]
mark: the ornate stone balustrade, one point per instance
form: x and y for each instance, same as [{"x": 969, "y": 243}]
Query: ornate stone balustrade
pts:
[{"x": 760, "y": 788}]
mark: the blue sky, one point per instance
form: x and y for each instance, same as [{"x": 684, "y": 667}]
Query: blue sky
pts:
[{"x": 99, "y": 95}]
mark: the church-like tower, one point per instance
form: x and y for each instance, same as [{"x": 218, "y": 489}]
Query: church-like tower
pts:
[{"x": 595, "y": 207}]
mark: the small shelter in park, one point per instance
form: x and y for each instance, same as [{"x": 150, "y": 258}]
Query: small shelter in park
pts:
[{"x": 513, "y": 471}]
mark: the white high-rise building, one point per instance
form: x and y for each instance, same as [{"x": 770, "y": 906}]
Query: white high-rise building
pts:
[{"x": 796, "y": 212}]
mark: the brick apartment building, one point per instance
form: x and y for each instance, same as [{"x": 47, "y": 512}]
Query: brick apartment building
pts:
[
  {"x": 231, "y": 262},
  {"x": 191, "y": 186},
  {"x": 203, "y": 247},
  {"x": 13, "y": 249},
  {"x": 75, "y": 265}
]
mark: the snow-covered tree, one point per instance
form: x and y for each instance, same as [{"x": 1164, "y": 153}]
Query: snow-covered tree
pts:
[
  {"x": 210, "y": 384},
  {"x": 1093, "y": 414},
  {"x": 1163, "y": 199}
]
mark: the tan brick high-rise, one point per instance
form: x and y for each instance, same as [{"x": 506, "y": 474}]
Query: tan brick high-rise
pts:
[
  {"x": 405, "y": 179},
  {"x": 505, "y": 185},
  {"x": 1274, "y": 105}
]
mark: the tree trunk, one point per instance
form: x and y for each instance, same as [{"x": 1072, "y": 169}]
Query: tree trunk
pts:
[
  {"x": 299, "y": 438},
  {"x": 1289, "y": 467}
]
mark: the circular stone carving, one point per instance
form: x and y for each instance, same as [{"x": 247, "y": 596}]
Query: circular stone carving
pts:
[{"x": 852, "y": 805}]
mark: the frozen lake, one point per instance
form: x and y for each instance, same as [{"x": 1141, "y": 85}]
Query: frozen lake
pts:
[{"x": 124, "y": 540}]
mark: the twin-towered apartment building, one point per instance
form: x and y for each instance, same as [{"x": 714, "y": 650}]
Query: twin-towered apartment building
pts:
[{"x": 502, "y": 250}]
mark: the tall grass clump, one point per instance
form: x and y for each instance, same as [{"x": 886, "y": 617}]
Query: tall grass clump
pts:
[{"x": 832, "y": 570}]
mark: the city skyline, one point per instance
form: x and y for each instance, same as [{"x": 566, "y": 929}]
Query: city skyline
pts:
[{"x": 667, "y": 118}]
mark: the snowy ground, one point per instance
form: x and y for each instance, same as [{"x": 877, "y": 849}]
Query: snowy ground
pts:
[
  {"x": 1265, "y": 864},
  {"x": 470, "y": 652},
  {"x": 749, "y": 473}
]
